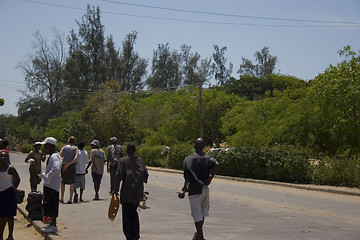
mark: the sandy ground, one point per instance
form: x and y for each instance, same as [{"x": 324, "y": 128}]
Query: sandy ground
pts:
[{"x": 23, "y": 230}]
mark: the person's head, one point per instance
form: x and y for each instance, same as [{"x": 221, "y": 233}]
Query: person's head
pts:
[
  {"x": 113, "y": 140},
  {"x": 4, "y": 157},
  {"x": 81, "y": 145},
  {"x": 4, "y": 144},
  {"x": 199, "y": 144},
  {"x": 130, "y": 148},
  {"x": 95, "y": 143},
  {"x": 49, "y": 144},
  {"x": 71, "y": 140}
]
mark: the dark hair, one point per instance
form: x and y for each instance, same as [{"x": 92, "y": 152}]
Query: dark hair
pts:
[
  {"x": 71, "y": 140},
  {"x": 131, "y": 147},
  {"x": 4, "y": 143},
  {"x": 81, "y": 145}
]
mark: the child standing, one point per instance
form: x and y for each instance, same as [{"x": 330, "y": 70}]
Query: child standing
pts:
[{"x": 35, "y": 166}]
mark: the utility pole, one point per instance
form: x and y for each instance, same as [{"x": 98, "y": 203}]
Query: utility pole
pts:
[{"x": 201, "y": 120}]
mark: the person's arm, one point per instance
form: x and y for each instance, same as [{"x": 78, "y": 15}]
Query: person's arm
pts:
[
  {"x": 28, "y": 157},
  {"x": 75, "y": 158},
  {"x": 119, "y": 177},
  {"x": 43, "y": 156},
  {"x": 55, "y": 169},
  {"x": 108, "y": 159},
  {"x": 62, "y": 152},
  {"x": 212, "y": 173},
  {"x": 89, "y": 163},
  {"x": 15, "y": 177}
]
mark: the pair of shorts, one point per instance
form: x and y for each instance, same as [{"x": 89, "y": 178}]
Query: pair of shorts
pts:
[
  {"x": 200, "y": 205},
  {"x": 8, "y": 203},
  {"x": 51, "y": 202},
  {"x": 80, "y": 181},
  {"x": 68, "y": 176},
  {"x": 96, "y": 177}
]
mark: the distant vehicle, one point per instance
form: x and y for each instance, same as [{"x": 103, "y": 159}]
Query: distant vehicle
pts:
[{"x": 217, "y": 150}]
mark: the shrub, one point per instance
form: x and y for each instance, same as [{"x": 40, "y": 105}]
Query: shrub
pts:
[
  {"x": 152, "y": 155},
  {"x": 26, "y": 148},
  {"x": 340, "y": 170},
  {"x": 278, "y": 163},
  {"x": 177, "y": 154}
]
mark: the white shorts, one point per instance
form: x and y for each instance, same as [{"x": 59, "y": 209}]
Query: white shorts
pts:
[{"x": 200, "y": 205}]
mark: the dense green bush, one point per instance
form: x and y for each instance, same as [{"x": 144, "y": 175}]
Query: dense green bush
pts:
[
  {"x": 152, "y": 155},
  {"x": 26, "y": 148},
  {"x": 278, "y": 163},
  {"x": 177, "y": 154},
  {"x": 242, "y": 162},
  {"x": 287, "y": 164},
  {"x": 341, "y": 170}
]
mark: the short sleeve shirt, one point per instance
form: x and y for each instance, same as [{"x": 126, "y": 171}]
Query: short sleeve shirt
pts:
[
  {"x": 197, "y": 170},
  {"x": 133, "y": 173},
  {"x": 97, "y": 159}
]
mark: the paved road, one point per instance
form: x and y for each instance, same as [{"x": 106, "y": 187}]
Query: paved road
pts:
[{"x": 239, "y": 210}]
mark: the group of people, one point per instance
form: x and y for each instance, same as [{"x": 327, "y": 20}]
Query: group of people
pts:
[{"x": 69, "y": 166}]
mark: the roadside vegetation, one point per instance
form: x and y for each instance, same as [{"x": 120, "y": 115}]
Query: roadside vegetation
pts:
[{"x": 273, "y": 126}]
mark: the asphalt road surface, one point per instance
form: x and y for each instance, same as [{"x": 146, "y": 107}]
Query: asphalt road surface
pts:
[{"x": 238, "y": 210}]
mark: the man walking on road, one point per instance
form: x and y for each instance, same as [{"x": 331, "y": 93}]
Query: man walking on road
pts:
[
  {"x": 199, "y": 170},
  {"x": 132, "y": 171},
  {"x": 115, "y": 152}
]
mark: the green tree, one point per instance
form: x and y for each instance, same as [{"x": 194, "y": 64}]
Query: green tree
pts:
[
  {"x": 166, "y": 68},
  {"x": 265, "y": 64},
  {"x": 44, "y": 78},
  {"x": 216, "y": 104},
  {"x": 222, "y": 74},
  {"x": 86, "y": 66},
  {"x": 2, "y": 101},
  {"x": 132, "y": 66},
  {"x": 108, "y": 113},
  {"x": 336, "y": 94}
]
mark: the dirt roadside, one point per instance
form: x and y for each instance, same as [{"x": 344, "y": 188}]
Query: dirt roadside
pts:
[{"x": 23, "y": 230}]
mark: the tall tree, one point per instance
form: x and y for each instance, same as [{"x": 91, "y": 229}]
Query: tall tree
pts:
[
  {"x": 265, "y": 64},
  {"x": 132, "y": 66},
  {"x": 85, "y": 67},
  {"x": 166, "y": 72},
  {"x": 222, "y": 74},
  {"x": 44, "y": 77}
]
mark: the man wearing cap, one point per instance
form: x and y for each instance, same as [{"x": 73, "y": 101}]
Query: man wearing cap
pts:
[
  {"x": 52, "y": 180},
  {"x": 35, "y": 165},
  {"x": 115, "y": 152},
  {"x": 97, "y": 162}
]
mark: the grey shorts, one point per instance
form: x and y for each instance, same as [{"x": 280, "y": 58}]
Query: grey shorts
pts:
[
  {"x": 199, "y": 204},
  {"x": 80, "y": 181}
]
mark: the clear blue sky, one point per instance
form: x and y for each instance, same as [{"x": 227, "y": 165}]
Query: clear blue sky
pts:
[{"x": 305, "y": 35}]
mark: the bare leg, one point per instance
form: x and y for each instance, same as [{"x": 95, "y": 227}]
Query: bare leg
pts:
[
  {"x": 10, "y": 221},
  {"x": 96, "y": 188},
  {"x": 71, "y": 192},
  {"x": 199, "y": 229},
  {"x": 81, "y": 194},
  {"x": 62, "y": 192},
  {"x": 2, "y": 227}
]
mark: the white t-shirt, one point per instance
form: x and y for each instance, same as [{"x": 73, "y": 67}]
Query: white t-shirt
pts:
[{"x": 81, "y": 162}]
